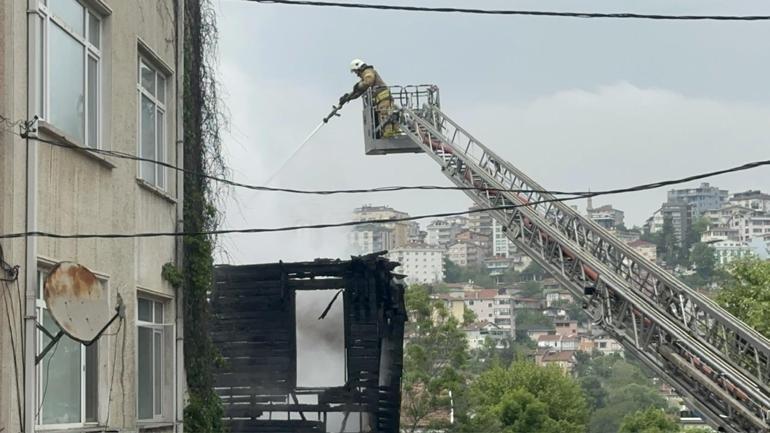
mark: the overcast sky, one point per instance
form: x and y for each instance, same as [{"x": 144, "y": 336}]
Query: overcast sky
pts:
[{"x": 574, "y": 103}]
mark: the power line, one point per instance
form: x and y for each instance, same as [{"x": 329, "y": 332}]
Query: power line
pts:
[
  {"x": 124, "y": 155},
  {"x": 582, "y": 194},
  {"x": 272, "y": 229},
  {"x": 517, "y": 12}
]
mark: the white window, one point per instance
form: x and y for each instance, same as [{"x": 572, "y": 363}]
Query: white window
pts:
[
  {"x": 151, "y": 85},
  {"x": 67, "y": 375},
  {"x": 69, "y": 80},
  {"x": 152, "y": 350}
]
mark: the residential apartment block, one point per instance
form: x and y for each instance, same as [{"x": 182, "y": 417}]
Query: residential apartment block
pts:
[
  {"x": 702, "y": 198},
  {"x": 97, "y": 75},
  {"x": 606, "y": 216},
  {"x": 680, "y": 214},
  {"x": 401, "y": 230},
  {"x": 421, "y": 263}
]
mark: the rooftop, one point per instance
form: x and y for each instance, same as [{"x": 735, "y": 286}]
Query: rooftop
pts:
[{"x": 563, "y": 356}]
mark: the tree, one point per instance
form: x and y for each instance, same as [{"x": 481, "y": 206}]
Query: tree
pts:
[
  {"x": 747, "y": 293},
  {"x": 527, "y": 398},
  {"x": 533, "y": 271},
  {"x": 648, "y": 421},
  {"x": 435, "y": 359},
  {"x": 666, "y": 242},
  {"x": 623, "y": 401},
  {"x": 452, "y": 272},
  {"x": 469, "y": 316},
  {"x": 704, "y": 258},
  {"x": 532, "y": 289},
  {"x": 594, "y": 392},
  {"x": 697, "y": 228},
  {"x": 527, "y": 319}
]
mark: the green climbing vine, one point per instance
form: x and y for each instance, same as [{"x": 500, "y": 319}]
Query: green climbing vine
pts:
[{"x": 202, "y": 154}]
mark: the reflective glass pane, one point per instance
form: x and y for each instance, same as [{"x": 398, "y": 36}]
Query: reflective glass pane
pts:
[
  {"x": 93, "y": 30},
  {"x": 71, "y": 12},
  {"x": 93, "y": 106},
  {"x": 92, "y": 382},
  {"x": 157, "y": 372},
  {"x": 145, "y": 310},
  {"x": 158, "y": 312},
  {"x": 144, "y": 395},
  {"x": 40, "y": 71},
  {"x": 148, "y": 140},
  {"x": 66, "y": 83},
  {"x": 161, "y": 89},
  {"x": 61, "y": 374},
  {"x": 147, "y": 77},
  {"x": 161, "y": 157}
]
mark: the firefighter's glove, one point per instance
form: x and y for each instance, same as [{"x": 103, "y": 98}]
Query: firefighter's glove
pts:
[{"x": 343, "y": 99}]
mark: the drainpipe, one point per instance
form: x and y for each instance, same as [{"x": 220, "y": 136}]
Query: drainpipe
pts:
[
  {"x": 30, "y": 243},
  {"x": 179, "y": 376}
]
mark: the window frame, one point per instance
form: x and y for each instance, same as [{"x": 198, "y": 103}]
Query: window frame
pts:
[
  {"x": 160, "y": 106},
  {"x": 161, "y": 329},
  {"x": 40, "y": 307},
  {"x": 48, "y": 19}
]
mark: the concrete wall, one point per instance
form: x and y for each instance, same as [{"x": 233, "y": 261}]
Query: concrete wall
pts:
[{"x": 78, "y": 193}]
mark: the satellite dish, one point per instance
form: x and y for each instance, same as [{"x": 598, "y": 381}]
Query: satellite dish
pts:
[{"x": 77, "y": 302}]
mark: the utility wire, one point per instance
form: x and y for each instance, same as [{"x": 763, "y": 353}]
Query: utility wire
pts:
[
  {"x": 350, "y": 223},
  {"x": 47, "y": 371},
  {"x": 582, "y": 194},
  {"x": 124, "y": 155},
  {"x": 271, "y": 229},
  {"x": 517, "y": 12}
]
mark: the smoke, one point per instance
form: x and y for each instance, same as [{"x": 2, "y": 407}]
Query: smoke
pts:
[{"x": 320, "y": 343}]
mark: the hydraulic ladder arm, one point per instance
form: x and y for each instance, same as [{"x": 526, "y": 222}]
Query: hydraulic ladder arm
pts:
[{"x": 719, "y": 364}]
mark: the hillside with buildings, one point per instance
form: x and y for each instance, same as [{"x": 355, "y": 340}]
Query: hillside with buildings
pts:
[{"x": 505, "y": 305}]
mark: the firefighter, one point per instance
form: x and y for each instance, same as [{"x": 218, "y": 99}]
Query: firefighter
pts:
[{"x": 382, "y": 99}]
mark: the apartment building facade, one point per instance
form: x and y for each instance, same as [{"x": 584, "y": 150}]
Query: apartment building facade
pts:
[
  {"x": 99, "y": 75},
  {"x": 421, "y": 263},
  {"x": 702, "y": 198}
]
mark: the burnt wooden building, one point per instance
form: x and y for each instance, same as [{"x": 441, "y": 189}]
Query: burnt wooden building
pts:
[{"x": 254, "y": 326}]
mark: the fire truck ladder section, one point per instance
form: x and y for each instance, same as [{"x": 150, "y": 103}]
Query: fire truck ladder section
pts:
[{"x": 718, "y": 364}]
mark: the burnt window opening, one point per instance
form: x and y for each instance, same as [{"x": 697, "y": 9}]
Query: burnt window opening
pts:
[{"x": 286, "y": 370}]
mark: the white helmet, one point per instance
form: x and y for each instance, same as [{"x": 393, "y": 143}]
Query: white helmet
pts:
[{"x": 356, "y": 64}]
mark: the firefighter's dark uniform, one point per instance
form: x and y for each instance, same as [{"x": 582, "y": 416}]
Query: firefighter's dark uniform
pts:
[{"x": 382, "y": 99}]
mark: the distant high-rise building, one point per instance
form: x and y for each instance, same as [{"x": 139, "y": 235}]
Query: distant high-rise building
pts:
[
  {"x": 422, "y": 264},
  {"x": 680, "y": 214},
  {"x": 501, "y": 245},
  {"x": 442, "y": 232},
  {"x": 754, "y": 200},
  {"x": 369, "y": 238},
  {"x": 480, "y": 223},
  {"x": 400, "y": 229},
  {"x": 703, "y": 198}
]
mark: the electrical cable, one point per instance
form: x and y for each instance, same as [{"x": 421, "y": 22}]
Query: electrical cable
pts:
[
  {"x": 269, "y": 230},
  {"x": 47, "y": 371},
  {"x": 114, "y": 365},
  {"x": 123, "y": 155},
  {"x": 585, "y": 194},
  {"x": 516, "y": 12},
  {"x": 379, "y": 221}
]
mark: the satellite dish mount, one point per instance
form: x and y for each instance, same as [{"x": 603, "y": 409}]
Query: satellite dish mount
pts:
[{"x": 78, "y": 304}]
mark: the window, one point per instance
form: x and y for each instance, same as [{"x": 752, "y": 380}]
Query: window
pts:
[
  {"x": 151, "y": 85},
  {"x": 67, "y": 375},
  {"x": 69, "y": 75},
  {"x": 151, "y": 348}
]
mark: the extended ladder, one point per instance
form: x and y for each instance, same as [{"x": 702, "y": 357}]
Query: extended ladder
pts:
[{"x": 720, "y": 365}]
